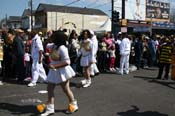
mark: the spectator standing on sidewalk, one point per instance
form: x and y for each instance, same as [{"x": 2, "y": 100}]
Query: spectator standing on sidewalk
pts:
[
  {"x": 93, "y": 69},
  {"x": 73, "y": 48},
  {"x": 27, "y": 63},
  {"x": 18, "y": 50},
  {"x": 37, "y": 56},
  {"x": 165, "y": 59},
  {"x": 112, "y": 59},
  {"x": 138, "y": 48},
  {"x": 102, "y": 56},
  {"x": 117, "y": 49},
  {"x": 1, "y": 57},
  {"x": 109, "y": 42},
  {"x": 152, "y": 52},
  {"x": 125, "y": 48}
]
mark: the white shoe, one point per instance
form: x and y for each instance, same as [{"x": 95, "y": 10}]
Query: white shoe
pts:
[
  {"x": 113, "y": 69},
  {"x": 47, "y": 113},
  {"x": 120, "y": 73},
  {"x": 1, "y": 83},
  {"x": 88, "y": 83},
  {"x": 117, "y": 68},
  {"x": 126, "y": 73},
  {"x": 72, "y": 107},
  {"x": 49, "y": 110},
  {"x": 31, "y": 84},
  {"x": 28, "y": 79},
  {"x": 83, "y": 81}
]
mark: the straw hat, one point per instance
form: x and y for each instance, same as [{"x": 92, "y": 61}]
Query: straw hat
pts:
[
  {"x": 40, "y": 33},
  {"x": 19, "y": 30}
]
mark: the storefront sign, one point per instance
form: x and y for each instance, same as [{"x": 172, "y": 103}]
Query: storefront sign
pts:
[
  {"x": 158, "y": 9},
  {"x": 141, "y": 29}
]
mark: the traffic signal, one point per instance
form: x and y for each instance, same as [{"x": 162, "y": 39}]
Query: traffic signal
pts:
[{"x": 115, "y": 16}]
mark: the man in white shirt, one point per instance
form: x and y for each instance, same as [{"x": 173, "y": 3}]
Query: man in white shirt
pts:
[
  {"x": 36, "y": 54},
  {"x": 125, "y": 48},
  {"x": 93, "y": 69}
]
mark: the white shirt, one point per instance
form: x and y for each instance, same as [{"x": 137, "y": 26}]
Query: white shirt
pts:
[
  {"x": 95, "y": 44},
  {"x": 85, "y": 53},
  {"x": 125, "y": 46},
  {"x": 36, "y": 47},
  {"x": 27, "y": 57},
  {"x": 118, "y": 42}
]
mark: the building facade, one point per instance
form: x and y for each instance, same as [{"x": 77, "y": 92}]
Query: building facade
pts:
[
  {"x": 53, "y": 17},
  {"x": 14, "y": 22},
  {"x": 26, "y": 19}
]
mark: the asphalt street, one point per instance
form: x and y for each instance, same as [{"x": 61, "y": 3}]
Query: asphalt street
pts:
[{"x": 136, "y": 94}]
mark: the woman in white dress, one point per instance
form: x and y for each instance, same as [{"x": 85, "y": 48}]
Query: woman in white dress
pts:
[
  {"x": 86, "y": 57},
  {"x": 59, "y": 73}
]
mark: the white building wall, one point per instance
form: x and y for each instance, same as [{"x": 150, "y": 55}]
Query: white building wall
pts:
[
  {"x": 26, "y": 22},
  {"x": 55, "y": 20}
]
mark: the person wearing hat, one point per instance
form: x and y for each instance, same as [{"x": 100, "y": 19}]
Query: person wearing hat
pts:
[
  {"x": 19, "y": 30},
  {"x": 18, "y": 51},
  {"x": 41, "y": 36},
  {"x": 165, "y": 58}
]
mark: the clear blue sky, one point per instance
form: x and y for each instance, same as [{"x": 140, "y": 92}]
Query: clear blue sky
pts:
[{"x": 16, "y": 7}]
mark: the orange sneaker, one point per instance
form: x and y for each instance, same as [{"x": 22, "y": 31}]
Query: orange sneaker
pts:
[
  {"x": 72, "y": 107},
  {"x": 41, "y": 108}
]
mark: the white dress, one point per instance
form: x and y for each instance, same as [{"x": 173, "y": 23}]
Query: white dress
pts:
[
  {"x": 61, "y": 74},
  {"x": 86, "y": 56}
]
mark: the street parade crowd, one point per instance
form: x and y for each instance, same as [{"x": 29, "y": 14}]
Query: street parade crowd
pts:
[{"x": 56, "y": 57}]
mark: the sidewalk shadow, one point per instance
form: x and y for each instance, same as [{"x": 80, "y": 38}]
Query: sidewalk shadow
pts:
[
  {"x": 135, "y": 112},
  {"x": 145, "y": 78},
  {"x": 151, "y": 68},
  {"x": 19, "y": 109},
  {"x": 164, "y": 83},
  {"x": 15, "y": 82},
  {"x": 167, "y": 83}
]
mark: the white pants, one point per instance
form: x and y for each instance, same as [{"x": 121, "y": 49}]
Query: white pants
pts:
[
  {"x": 93, "y": 69},
  {"x": 37, "y": 71},
  {"x": 124, "y": 62}
]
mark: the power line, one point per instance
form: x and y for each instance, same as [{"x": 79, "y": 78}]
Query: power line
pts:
[
  {"x": 72, "y": 2},
  {"x": 92, "y": 3},
  {"x": 101, "y": 5}
]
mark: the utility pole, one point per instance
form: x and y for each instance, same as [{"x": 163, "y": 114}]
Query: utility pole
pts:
[
  {"x": 31, "y": 13},
  {"x": 151, "y": 28},
  {"x": 115, "y": 19},
  {"x": 6, "y": 24},
  {"x": 123, "y": 9},
  {"x": 112, "y": 10}
]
